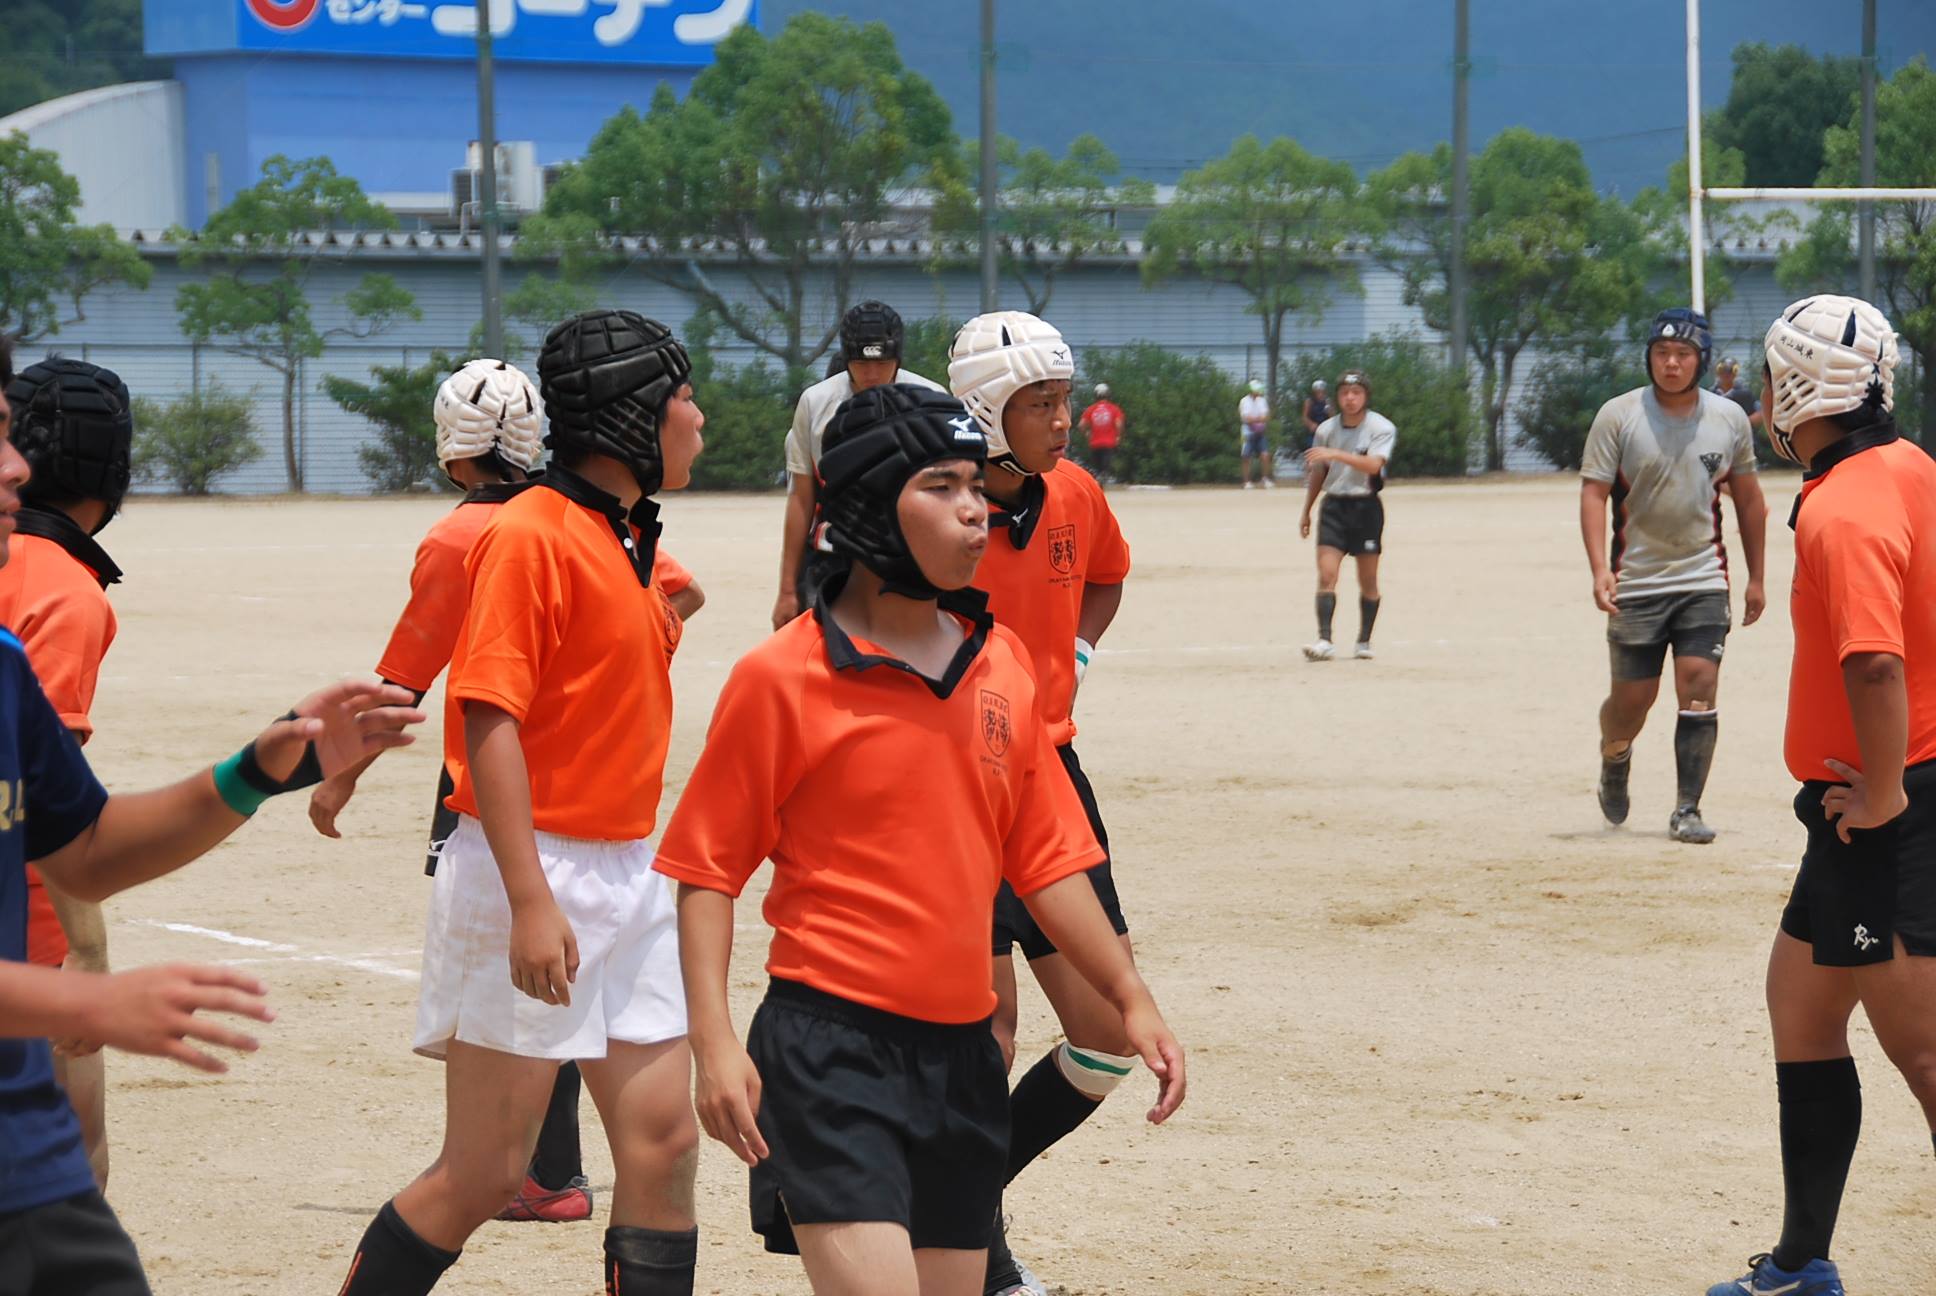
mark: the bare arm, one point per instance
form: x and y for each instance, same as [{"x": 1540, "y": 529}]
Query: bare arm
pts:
[
  {"x": 801, "y": 497},
  {"x": 1751, "y": 516},
  {"x": 688, "y": 601},
  {"x": 1593, "y": 533},
  {"x": 726, "y": 1087},
  {"x": 85, "y": 928},
  {"x": 1369, "y": 465},
  {"x": 1879, "y": 705},
  {"x": 544, "y": 951},
  {"x": 150, "y": 1010},
  {"x": 1313, "y": 487},
  {"x": 1099, "y": 606}
]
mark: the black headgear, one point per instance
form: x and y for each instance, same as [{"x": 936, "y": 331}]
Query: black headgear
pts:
[
  {"x": 606, "y": 376},
  {"x": 871, "y": 331},
  {"x": 1356, "y": 378},
  {"x": 1681, "y": 324},
  {"x": 875, "y": 443},
  {"x": 74, "y": 424}
]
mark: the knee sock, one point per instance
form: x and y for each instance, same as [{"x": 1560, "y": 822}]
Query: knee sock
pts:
[
  {"x": 1327, "y": 606},
  {"x": 1821, "y": 1117},
  {"x": 392, "y": 1260},
  {"x": 1059, "y": 1093},
  {"x": 1694, "y": 737},
  {"x": 650, "y": 1262},
  {"x": 559, "y": 1159},
  {"x": 1367, "y": 617}
]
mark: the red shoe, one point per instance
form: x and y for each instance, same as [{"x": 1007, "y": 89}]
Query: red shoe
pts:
[{"x": 551, "y": 1206}]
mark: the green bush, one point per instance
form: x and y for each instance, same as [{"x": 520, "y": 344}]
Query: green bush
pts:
[
  {"x": 399, "y": 402},
  {"x": 1179, "y": 412},
  {"x": 1564, "y": 393},
  {"x": 748, "y": 410},
  {"x": 1411, "y": 384},
  {"x": 190, "y": 441},
  {"x": 926, "y": 350}
]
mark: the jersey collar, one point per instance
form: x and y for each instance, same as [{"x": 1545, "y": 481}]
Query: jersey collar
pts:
[
  {"x": 644, "y": 517},
  {"x": 497, "y": 492},
  {"x": 970, "y": 604},
  {"x": 1866, "y": 438},
  {"x": 1022, "y": 519},
  {"x": 52, "y": 524}
]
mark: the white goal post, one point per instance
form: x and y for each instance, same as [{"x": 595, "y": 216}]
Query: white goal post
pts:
[{"x": 1696, "y": 193}]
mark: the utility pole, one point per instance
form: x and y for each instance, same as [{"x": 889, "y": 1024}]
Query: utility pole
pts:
[
  {"x": 1461, "y": 198},
  {"x": 1866, "y": 245},
  {"x": 487, "y": 202},
  {"x": 988, "y": 191}
]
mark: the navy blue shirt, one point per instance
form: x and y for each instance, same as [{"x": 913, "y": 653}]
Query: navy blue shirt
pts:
[{"x": 48, "y": 797}]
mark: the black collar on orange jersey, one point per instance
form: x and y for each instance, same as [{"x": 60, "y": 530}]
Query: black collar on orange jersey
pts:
[
  {"x": 644, "y": 517},
  {"x": 52, "y": 524},
  {"x": 1865, "y": 438},
  {"x": 497, "y": 492},
  {"x": 970, "y": 604},
  {"x": 1021, "y": 519}
]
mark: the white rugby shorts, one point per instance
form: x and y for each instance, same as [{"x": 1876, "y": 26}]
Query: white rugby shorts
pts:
[{"x": 621, "y": 913}]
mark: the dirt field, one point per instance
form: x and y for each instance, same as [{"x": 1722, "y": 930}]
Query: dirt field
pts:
[{"x": 1448, "y": 1036}]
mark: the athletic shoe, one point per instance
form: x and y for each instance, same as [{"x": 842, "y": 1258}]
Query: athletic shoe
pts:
[
  {"x": 1319, "y": 651},
  {"x": 564, "y": 1205},
  {"x": 1362, "y": 652},
  {"x": 1008, "y": 1276},
  {"x": 1250, "y": 485},
  {"x": 1688, "y": 826},
  {"x": 1765, "y": 1278},
  {"x": 1613, "y": 787},
  {"x": 1270, "y": 483}
]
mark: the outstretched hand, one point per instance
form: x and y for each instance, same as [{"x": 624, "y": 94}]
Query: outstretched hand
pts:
[
  {"x": 1152, "y": 1040},
  {"x": 346, "y": 721},
  {"x": 158, "y": 1011}
]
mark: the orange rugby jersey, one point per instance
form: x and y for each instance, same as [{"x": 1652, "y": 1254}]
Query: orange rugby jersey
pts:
[
  {"x": 1865, "y": 566},
  {"x": 1070, "y": 540},
  {"x": 892, "y": 808},
  {"x": 53, "y": 596},
  {"x": 566, "y": 632}
]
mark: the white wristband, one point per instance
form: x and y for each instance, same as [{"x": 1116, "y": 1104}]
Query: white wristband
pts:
[{"x": 1084, "y": 651}]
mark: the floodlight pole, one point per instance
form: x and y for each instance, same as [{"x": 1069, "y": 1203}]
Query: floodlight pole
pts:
[
  {"x": 1461, "y": 197},
  {"x": 487, "y": 179},
  {"x": 1866, "y": 243},
  {"x": 1696, "y": 225},
  {"x": 989, "y": 283}
]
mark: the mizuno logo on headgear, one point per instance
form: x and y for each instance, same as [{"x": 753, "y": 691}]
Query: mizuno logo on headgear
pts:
[{"x": 965, "y": 429}]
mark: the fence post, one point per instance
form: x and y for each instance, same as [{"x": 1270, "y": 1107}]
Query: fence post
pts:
[{"x": 195, "y": 368}]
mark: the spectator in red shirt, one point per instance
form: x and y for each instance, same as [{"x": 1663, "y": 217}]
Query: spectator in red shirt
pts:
[{"x": 1102, "y": 423}]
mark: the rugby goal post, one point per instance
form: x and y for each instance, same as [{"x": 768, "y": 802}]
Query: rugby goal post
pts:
[{"x": 1696, "y": 193}]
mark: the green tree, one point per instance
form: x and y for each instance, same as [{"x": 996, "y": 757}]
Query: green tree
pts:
[
  {"x": 538, "y": 302},
  {"x": 925, "y": 349},
  {"x": 48, "y": 264},
  {"x": 1664, "y": 213},
  {"x": 1269, "y": 219},
  {"x": 1176, "y": 409},
  {"x": 398, "y": 401},
  {"x": 1051, "y": 212},
  {"x": 1412, "y": 385},
  {"x": 1567, "y": 391},
  {"x": 779, "y": 159},
  {"x": 748, "y": 410},
  {"x": 55, "y": 47},
  {"x": 1824, "y": 259},
  {"x": 1548, "y": 259},
  {"x": 253, "y": 296},
  {"x": 190, "y": 441},
  {"x": 1779, "y": 104}
]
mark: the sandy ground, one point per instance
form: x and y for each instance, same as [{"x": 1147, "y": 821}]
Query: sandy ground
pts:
[{"x": 1448, "y": 1034}]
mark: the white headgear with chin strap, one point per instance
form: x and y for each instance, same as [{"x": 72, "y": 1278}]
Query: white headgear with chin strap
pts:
[
  {"x": 1826, "y": 355},
  {"x": 995, "y": 356},
  {"x": 489, "y": 405}
]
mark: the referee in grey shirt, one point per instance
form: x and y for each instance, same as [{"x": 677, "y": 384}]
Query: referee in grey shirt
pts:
[{"x": 1346, "y": 466}]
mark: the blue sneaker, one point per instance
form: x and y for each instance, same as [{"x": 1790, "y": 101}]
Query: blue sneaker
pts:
[{"x": 1766, "y": 1278}]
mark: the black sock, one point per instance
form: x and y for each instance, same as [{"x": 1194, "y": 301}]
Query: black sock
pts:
[
  {"x": 650, "y": 1262},
  {"x": 1043, "y": 1108},
  {"x": 1002, "y": 1271},
  {"x": 1821, "y": 1117},
  {"x": 559, "y": 1158},
  {"x": 392, "y": 1260},
  {"x": 1694, "y": 737},
  {"x": 1367, "y": 618},
  {"x": 1327, "y": 605}
]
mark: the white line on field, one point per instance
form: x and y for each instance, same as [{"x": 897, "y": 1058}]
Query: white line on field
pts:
[
  {"x": 1287, "y": 647},
  {"x": 293, "y": 954}
]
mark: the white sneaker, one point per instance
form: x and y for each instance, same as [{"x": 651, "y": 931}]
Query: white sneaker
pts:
[
  {"x": 1270, "y": 483},
  {"x": 1362, "y": 652},
  {"x": 1250, "y": 485},
  {"x": 1319, "y": 651}
]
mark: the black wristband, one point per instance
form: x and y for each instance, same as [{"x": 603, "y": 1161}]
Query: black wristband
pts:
[{"x": 308, "y": 771}]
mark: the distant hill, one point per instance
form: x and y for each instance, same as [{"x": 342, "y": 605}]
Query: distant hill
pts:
[{"x": 1168, "y": 84}]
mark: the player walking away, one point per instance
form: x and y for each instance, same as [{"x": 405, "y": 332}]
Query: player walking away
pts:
[
  {"x": 1102, "y": 423},
  {"x": 887, "y": 753},
  {"x": 1253, "y": 412},
  {"x": 557, "y": 717},
  {"x": 1054, "y": 573},
  {"x": 1346, "y": 466},
  {"x": 1660, "y": 455},
  {"x": 73, "y": 423},
  {"x": 1860, "y": 926},
  {"x": 1727, "y": 383},
  {"x": 1317, "y": 407},
  {"x": 871, "y": 341}
]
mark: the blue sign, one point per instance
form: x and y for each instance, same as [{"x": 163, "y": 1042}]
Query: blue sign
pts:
[{"x": 656, "y": 33}]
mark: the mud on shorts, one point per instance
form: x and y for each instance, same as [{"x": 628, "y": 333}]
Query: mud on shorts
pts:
[
  {"x": 1643, "y": 628},
  {"x": 1851, "y": 899},
  {"x": 1015, "y": 925}
]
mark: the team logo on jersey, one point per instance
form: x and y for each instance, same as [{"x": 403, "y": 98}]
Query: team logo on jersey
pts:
[
  {"x": 1062, "y": 548},
  {"x": 997, "y": 729},
  {"x": 675, "y": 628},
  {"x": 1711, "y": 462}
]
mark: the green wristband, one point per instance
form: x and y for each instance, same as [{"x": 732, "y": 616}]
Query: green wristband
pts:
[{"x": 235, "y": 791}]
